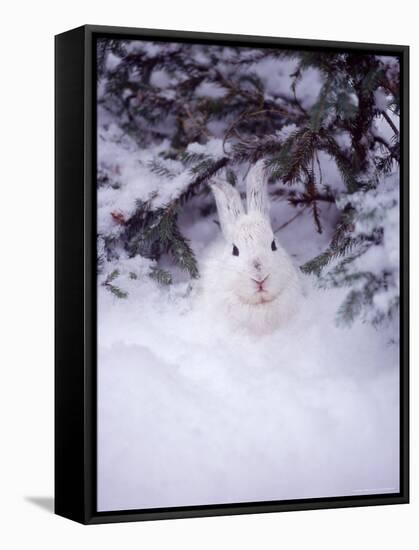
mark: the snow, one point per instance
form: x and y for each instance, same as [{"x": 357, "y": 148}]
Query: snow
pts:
[
  {"x": 379, "y": 209},
  {"x": 209, "y": 89},
  {"x": 308, "y": 88},
  {"x": 383, "y": 129},
  {"x": 277, "y": 77},
  {"x": 213, "y": 147},
  {"x": 191, "y": 413},
  {"x": 112, "y": 61},
  {"x": 160, "y": 79},
  {"x": 120, "y": 156},
  {"x": 380, "y": 99}
]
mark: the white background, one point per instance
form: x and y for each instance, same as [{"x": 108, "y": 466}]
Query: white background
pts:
[{"x": 26, "y": 274}]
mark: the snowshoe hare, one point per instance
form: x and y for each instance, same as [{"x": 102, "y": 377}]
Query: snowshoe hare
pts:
[{"x": 247, "y": 277}]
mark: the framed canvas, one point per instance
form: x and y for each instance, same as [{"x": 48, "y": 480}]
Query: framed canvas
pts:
[{"x": 231, "y": 274}]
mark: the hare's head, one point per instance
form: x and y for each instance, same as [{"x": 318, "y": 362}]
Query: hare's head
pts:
[{"x": 253, "y": 266}]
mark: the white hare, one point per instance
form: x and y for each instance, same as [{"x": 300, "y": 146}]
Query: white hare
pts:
[{"x": 247, "y": 277}]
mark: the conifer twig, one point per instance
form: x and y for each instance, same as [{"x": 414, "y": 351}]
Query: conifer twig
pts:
[{"x": 284, "y": 225}]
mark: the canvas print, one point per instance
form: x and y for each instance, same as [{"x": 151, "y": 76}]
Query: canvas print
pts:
[{"x": 247, "y": 274}]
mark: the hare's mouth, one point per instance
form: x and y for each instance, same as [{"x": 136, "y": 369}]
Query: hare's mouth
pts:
[
  {"x": 265, "y": 300},
  {"x": 259, "y": 299}
]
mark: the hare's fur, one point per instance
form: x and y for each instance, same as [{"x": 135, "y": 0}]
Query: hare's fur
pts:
[{"x": 246, "y": 276}]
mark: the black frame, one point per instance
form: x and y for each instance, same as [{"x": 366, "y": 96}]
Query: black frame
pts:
[{"x": 75, "y": 277}]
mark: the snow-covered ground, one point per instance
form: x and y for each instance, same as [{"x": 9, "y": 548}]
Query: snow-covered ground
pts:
[{"x": 191, "y": 414}]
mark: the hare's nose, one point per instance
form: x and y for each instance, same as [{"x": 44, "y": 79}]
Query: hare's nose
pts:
[
  {"x": 260, "y": 281},
  {"x": 257, "y": 265}
]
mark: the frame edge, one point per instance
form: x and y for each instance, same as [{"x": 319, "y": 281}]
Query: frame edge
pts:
[
  {"x": 74, "y": 499},
  {"x": 69, "y": 478}
]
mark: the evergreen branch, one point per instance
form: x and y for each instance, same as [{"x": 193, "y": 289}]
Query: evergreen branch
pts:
[
  {"x": 330, "y": 145},
  {"x": 161, "y": 276},
  {"x": 255, "y": 148},
  {"x": 295, "y": 155},
  {"x": 390, "y": 123},
  {"x": 351, "y": 307},
  {"x": 108, "y": 283},
  {"x": 189, "y": 159},
  {"x": 284, "y": 225},
  {"x": 341, "y": 243},
  {"x": 312, "y": 194},
  {"x": 157, "y": 167},
  {"x": 205, "y": 171},
  {"x": 320, "y": 108}
]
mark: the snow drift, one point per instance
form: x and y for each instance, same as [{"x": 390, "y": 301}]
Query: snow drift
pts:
[{"x": 191, "y": 414}]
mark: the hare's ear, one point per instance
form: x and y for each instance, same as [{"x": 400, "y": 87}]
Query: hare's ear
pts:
[
  {"x": 229, "y": 205},
  {"x": 256, "y": 190}
]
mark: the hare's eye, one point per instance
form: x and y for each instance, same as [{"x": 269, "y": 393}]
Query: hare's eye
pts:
[
  {"x": 273, "y": 246},
  {"x": 235, "y": 250}
]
